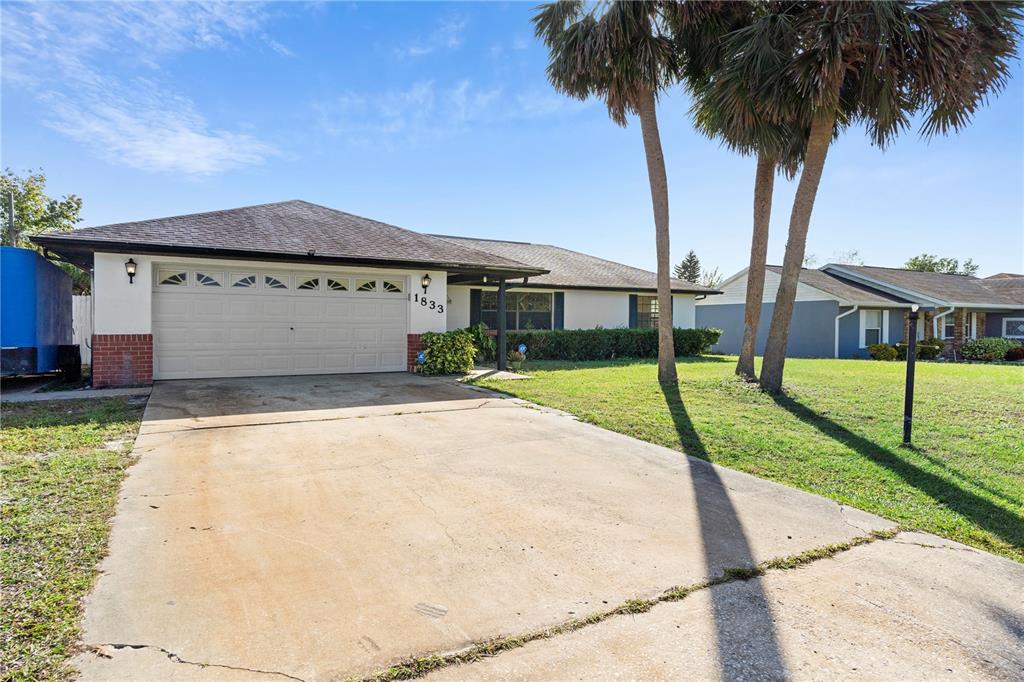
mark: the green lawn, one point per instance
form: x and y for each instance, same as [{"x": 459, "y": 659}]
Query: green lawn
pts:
[
  {"x": 61, "y": 463},
  {"x": 836, "y": 432}
]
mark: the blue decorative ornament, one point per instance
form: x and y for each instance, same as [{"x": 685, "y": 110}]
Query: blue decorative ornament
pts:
[
  {"x": 522, "y": 348},
  {"x": 421, "y": 357}
]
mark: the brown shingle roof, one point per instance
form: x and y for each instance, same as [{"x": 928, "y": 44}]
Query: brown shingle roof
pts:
[
  {"x": 569, "y": 269},
  {"x": 844, "y": 289},
  {"x": 953, "y": 289},
  {"x": 289, "y": 228}
]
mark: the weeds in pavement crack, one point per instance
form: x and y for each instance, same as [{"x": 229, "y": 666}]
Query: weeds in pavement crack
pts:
[{"x": 420, "y": 666}]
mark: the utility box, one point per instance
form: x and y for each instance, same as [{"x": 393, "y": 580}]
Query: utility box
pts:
[{"x": 35, "y": 312}]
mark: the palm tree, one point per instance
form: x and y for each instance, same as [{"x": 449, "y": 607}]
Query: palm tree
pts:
[
  {"x": 728, "y": 113},
  {"x": 618, "y": 51},
  {"x": 874, "y": 63}
]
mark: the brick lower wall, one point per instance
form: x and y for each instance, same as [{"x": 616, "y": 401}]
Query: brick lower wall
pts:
[
  {"x": 414, "y": 344},
  {"x": 122, "y": 360}
]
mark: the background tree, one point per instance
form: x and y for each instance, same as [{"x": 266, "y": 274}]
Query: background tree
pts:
[
  {"x": 874, "y": 63},
  {"x": 618, "y": 51},
  {"x": 926, "y": 262},
  {"x": 711, "y": 278},
  {"x": 688, "y": 269},
  {"x": 35, "y": 212}
]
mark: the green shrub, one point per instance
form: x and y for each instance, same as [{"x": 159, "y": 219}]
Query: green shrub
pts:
[
  {"x": 608, "y": 344},
  {"x": 930, "y": 349},
  {"x": 448, "y": 353},
  {"x": 926, "y": 350},
  {"x": 484, "y": 342},
  {"x": 988, "y": 348},
  {"x": 1015, "y": 354},
  {"x": 883, "y": 351}
]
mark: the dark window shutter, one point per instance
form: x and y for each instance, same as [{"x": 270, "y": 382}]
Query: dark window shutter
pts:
[
  {"x": 474, "y": 307},
  {"x": 559, "y": 310},
  {"x": 634, "y": 321}
]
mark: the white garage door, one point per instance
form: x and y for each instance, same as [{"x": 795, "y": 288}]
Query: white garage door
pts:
[{"x": 224, "y": 323}]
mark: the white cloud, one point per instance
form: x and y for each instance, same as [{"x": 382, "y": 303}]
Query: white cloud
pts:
[
  {"x": 55, "y": 51},
  {"x": 447, "y": 35},
  {"x": 420, "y": 113},
  {"x": 537, "y": 103}
]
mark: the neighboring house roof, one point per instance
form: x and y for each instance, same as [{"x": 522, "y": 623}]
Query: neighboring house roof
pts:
[
  {"x": 1005, "y": 275},
  {"x": 572, "y": 269},
  {"x": 936, "y": 287},
  {"x": 843, "y": 289},
  {"x": 295, "y": 230}
]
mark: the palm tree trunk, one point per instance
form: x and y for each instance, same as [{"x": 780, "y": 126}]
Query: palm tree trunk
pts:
[
  {"x": 659, "y": 200},
  {"x": 764, "y": 186},
  {"x": 799, "y": 220}
]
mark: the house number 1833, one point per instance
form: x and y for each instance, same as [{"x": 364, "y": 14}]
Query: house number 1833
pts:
[{"x": 427, "y": 303}]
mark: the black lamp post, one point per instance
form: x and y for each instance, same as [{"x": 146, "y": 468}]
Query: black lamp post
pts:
[{"x": 908, "y": 395}]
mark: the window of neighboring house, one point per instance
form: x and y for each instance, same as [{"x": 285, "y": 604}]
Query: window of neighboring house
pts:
[
  {"x": 871, "y": 327},
  {"x": 1013, "y": 327},
  {"x": 949, "y": 326},
  {"x": 647, "y": 312},
  {"x": 523, "y": 310}
]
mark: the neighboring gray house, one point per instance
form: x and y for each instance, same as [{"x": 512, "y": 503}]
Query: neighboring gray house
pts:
[{"x": 842, "y": 309}]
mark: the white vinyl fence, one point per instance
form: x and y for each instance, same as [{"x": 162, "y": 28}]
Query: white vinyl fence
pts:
[{"x": 81, "y": 325}]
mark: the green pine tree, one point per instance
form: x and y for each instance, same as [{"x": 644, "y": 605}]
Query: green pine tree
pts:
[{"x": 688, "y": 269}]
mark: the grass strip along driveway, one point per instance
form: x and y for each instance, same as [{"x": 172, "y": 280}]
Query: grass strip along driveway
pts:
[
  {"x": 836, "y": 432},
  {"x": 62, "y": 464}
]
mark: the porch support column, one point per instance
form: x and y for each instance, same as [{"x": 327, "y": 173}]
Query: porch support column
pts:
[{"x": 502, "y": 350}]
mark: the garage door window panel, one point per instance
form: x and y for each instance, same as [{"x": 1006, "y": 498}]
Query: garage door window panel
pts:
[
  {"x": 275, "y": 281},
  {"x": 366, "y": 285},
  {"x": 243, "y": 281},
  {"x": 173, "y": 278},
  {"x": 337, "y": 284},
  {"x": 209, "y": 279},
  {"x": 392, "y": 286},
  {"x": 310, "y": 284}
]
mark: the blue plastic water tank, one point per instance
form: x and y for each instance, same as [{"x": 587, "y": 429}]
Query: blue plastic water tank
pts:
[{"x": 35, "y": 311}]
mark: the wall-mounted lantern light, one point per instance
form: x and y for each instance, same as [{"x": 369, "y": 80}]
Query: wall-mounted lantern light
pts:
[
  {"x": 425, "y": 282},
  {"x": 129, "y": 267}
]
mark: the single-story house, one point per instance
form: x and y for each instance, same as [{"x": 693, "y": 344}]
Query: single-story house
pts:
[
  {"x": 297, "y": 288},
  {"x": 841, "y": 309}
]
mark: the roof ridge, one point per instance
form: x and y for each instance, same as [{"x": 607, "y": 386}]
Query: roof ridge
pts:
[
  {"x": 889, "y": 267},
  {"x": 483, "y": 239},
  {"x": 198, "y": 213}
]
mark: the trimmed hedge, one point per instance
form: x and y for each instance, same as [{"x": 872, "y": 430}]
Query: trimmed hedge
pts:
[
  {"x": 988, "y": 348},
  {"x": 448, "y": 353},
  {"x": 608, "y": 344}
]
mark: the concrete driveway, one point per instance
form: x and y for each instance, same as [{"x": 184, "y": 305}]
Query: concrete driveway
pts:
[{"x": 322, "y": 528}]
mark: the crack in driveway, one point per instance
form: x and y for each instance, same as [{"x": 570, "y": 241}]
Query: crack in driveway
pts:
[{"x": 175, "y": 658}]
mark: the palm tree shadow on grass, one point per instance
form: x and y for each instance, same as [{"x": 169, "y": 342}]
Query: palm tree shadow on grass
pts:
[
  {"x": 744, "y": 629},
  {"x": 984, "y": 513}
]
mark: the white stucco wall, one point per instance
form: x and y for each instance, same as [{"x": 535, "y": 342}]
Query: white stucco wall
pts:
[
  {"x": 684, "y": 312},
  {"x": 589, "y": 309},
  {"x": 458, "y": 307},
  {"x": 422, "y": 318},
  {"x": 120, "y": 307},
  {"x": 123, "y": 308}
]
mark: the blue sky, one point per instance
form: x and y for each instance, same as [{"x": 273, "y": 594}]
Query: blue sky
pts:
[{"x": 438, "y": 117}]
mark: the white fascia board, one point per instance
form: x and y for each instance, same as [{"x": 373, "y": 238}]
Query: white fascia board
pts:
[
  {"x": 732, "y": 279},
  {"x": 898, "y": 291}
]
